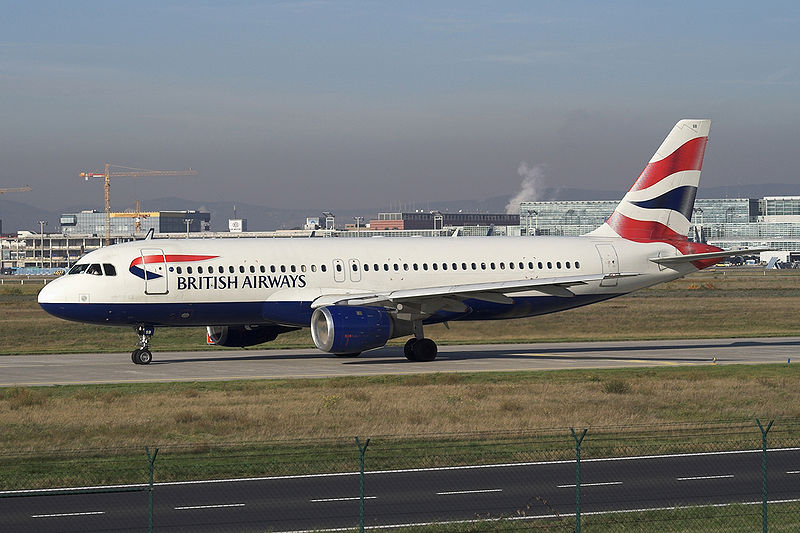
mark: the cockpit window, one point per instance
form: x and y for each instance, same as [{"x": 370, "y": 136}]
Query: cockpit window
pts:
[
  {"x": 77, "y": 269},
  {"x": 94, "y": 269},
  {"x": 110, "y": 270}
]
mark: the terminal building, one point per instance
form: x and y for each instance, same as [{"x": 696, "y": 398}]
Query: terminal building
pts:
[
  {"x": 134, "y": 223},
  {"x": 421, "y": 220},
  {"x": 771, "y": 221}
]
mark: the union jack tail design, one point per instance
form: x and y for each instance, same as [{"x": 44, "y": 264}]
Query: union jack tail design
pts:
[{"x": 658, "y": 207}]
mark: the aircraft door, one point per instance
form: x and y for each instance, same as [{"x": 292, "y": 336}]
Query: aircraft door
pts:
[
  {"x": 608, "y": 258},
  {"x": 355, "y": 270},
  {"x": 338, "y": 270},
  {"x": 154, "y": 266}
]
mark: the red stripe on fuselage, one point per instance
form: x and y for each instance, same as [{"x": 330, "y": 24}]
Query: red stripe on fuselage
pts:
[
  {"x": 688, "y": 157},
  {"x": 174, "y": 258}
]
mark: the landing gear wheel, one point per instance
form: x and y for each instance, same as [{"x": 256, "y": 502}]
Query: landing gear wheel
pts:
[
  {"x": 353, "y": 354},
  {"x": 142, "y": 356},
  {"x": 420, "y": 350},
  {"x": 408, "y": 349}
]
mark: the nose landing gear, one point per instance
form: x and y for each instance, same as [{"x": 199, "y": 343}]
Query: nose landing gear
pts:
[{"x": 142, "y": 355}]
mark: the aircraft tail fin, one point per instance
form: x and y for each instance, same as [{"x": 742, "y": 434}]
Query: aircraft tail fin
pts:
[{"x": 658, "y": 207}]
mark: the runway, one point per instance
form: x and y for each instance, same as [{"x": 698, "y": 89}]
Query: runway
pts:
[
  {"x": 65, "y": 369},
  {"x": 399, "y": 498}
]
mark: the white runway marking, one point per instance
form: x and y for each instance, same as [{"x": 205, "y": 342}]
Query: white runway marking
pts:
[
  {"x": 214, "y": 506},
  {"x": 590, "y": 484},
  {"x": 87, "y": 513},
  {"x": 343, "y": 499},
  {"x": 703, "y": 477},
  {"x": 468, "y": 492}
]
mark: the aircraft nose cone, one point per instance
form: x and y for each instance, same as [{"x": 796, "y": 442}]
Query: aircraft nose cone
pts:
[{"x": 49, "y": 293}]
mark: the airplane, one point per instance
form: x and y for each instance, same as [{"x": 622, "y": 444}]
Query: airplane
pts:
[{"x": 357, "y": 294}]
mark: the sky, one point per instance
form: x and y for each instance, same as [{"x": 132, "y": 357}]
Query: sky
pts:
[{"x": 337, "y": 105}]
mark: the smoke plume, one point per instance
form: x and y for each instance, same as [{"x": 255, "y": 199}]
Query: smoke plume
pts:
[{"x": 529, "y": 191}]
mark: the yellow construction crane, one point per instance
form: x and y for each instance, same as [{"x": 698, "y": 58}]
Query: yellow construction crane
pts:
[
  {"x": 26, "y": 188},
  {"x": 128, "y": 172}
]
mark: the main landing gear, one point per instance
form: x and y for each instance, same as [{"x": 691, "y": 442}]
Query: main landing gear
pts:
[
  {"x": 142, "y": 355},
  {"x": 418, "y": 348}
]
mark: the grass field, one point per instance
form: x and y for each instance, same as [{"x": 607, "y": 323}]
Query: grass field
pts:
[{"x": 732, "y": 303}]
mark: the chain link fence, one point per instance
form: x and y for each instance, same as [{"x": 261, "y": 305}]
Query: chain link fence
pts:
[{"x": 724, "y": 476}]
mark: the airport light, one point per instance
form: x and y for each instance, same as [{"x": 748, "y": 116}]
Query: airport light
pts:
[
  {"x": 187, "y": 221},
  {"x": 42, "y": 224}
]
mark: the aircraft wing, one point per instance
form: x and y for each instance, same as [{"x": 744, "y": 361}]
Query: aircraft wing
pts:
[
  {"x": 450, "y": 297},
  {"x": 688, "y": 258}
]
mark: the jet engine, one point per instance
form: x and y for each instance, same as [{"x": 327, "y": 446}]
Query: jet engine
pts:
[
  {"x": 346, "y": 330},
  {"x": 241, "y": 336}
]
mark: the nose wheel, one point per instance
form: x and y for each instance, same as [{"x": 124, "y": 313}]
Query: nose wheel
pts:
[{"x": 142, "y": 354}]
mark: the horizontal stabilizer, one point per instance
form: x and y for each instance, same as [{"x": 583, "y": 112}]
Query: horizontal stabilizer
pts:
[{"x": 678, "y": 259}]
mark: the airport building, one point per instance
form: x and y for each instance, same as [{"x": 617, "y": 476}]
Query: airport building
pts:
[
  {"x": 423, "y": 220},
  {"x": 134, "y": 223},
  {"x": 771, "y": 221}
]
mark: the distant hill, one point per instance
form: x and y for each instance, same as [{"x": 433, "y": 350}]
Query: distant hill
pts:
[{"x": 20, "y": 216}]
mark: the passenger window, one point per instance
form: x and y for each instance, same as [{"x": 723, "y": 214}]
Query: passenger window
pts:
[
  {"x": 474, "y": 266},
  {"x": 386, "y": 267},
  {"x": 511, "y": 265},
  {"x": 230, "y": 269},
  {"x": 558, "y": 264},
  {"x": 375, "y": 267},
  {"x": 549, "y": 264},
  {"x": 396, "y": 268},
  {"x": 502, "y": 266},
  {"x": 444, "y": 266},
  {"x": 492, "y": 265},
  {"x": 241, "y": 269},
  {"x": 463, "y": 266},
  {"x": 567, "y": 264},
  {"x": 313, "y": 268},
  {"x": 424, "y": 266},
  {"x": 252, "y": 269},
  {"x": 577, "y": 264},
  {"x": 220, "y": 269},
  {"x": 355, "y": 267},
  {"x": 416, "y": 266},
  {"x": 200, "y": 270},
  {"x": 522, "y": 265},
  {"x": 302, "y": 268},
  {"x": 338, "y": 267},
  {"x": 366, "y": 267},
  {"x": 110, "y": 270},
  {"x": 263, "y": 269},
  {"x": 283, "y": 268},
  {"x": 323, "y": 268},
  {"x": 483, "y": 266},
  {"x": 178, "y": 270},
  {"x": 540, "y": 265},
  {"x": 188, "y": 270},
  {"x": 435, "y": 266},
  {"x": 405, "y": 266},
  {"x": 272, "y": 268},
  {"x": 293, "y": 268}
]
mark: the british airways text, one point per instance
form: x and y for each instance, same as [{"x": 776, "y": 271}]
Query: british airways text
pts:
[{"x": 284, "y": 281}]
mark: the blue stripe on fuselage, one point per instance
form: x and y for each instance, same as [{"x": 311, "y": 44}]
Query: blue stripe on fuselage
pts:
[{"x": 290, "y": 313}]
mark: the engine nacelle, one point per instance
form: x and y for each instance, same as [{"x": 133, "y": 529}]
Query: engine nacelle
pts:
[
  {"x": 241, "y": 336},
  {"x": 343, "y": 329}
]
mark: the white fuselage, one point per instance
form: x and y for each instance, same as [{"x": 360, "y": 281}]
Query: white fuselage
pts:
[{"x": 183, "y": 282}]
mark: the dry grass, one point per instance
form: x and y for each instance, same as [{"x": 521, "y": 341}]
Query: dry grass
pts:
[
  {"x": 180, "y": 413},
  {"x": 706, "y": 304}
]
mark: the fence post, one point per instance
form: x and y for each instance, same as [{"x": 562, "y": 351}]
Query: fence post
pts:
[
  {"x": 578, "y": 441},
  {"x": 152, "y": 460},
  {"x": 361, "y": 450},
  {"x": 764, "y": 473}
]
